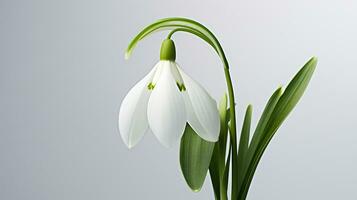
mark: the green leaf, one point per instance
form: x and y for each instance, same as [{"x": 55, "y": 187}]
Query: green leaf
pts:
[
  {"x": 283, "y": 107},
  {"x": 214, "y": 171},
  {"x": 291, "y": 95},
  {"x": 195, "y": 158},
  {"x": 268, "y": 110},
  {"x": 216, "y": 168},
  {"x": 224, "y": 182},
  {"x": 258, "y": 134},
  {"x": 224, "y": 118},
  {"x": 244, "y": 140}
]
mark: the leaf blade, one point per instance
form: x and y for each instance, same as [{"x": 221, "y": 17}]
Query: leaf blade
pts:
[
  {"x": 284, "y": 106},
  {"x": 216, "y": 168},
  {"x": 244, "y": 140},
  {"x": 195, "y": 158},
  {"x": 225, "y": 177}
]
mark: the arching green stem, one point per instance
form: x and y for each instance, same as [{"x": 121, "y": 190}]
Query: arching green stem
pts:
[{"x": 185, "y": 29}]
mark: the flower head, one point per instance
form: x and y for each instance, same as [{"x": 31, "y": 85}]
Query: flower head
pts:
[{"x": 164, "y": 101}]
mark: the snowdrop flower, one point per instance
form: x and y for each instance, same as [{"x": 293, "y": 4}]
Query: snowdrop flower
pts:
[{"x": 164, "y": 101}]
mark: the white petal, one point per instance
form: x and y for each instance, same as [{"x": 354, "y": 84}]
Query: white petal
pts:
[
  {"x": 166, "y": 109},
  {"x": 133, "y": 121},
  {"x": 202, "y": 112},
  {"x": 175, "y": 72}
]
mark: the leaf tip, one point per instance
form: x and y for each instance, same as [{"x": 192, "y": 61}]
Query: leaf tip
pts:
[
  {"x": 313, "y": 62},
  {"x": 280, "y": 89},
  {"x": 250, "y": 107},
  {"x": 224, "y": 98},
  {"x": 314, "y": 59},
  {"x": 222, "y": 107}
]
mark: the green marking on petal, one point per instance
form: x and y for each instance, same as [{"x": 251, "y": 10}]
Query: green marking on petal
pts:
[
  {"x": 151, "y": 86},
  {"x": 181, "y": 87}
]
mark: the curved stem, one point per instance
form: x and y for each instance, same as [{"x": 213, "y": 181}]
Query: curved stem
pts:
[
  {"x": 233, "y": 130},
  {"x": 192, "y": 31}
]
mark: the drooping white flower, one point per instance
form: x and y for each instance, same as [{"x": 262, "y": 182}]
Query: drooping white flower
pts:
[{"x": 164, "y": 101}]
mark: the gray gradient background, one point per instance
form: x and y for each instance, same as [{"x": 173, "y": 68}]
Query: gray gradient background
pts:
[{"x": 63, "y": 77}]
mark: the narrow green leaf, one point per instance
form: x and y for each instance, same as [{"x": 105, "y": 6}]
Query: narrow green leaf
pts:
[
  {"x": 291, "y": 95},
  {"x": 283, "y": 107},
  {"x": 258, "y": 133},
  {"x": 195, "y": 158},
  {"x": 268, "y": 110},
  {"x": 217, "y": 162},
  {"x": 214, "y": 171},
  {"x": 244, "y": 141},
  {"x": 224, "y": 182},
  {"x": 223, "y": 113}
]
